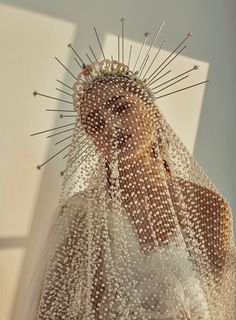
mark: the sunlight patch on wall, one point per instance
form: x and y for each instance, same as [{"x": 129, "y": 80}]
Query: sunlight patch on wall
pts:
[{"x": 30, "y": 44}]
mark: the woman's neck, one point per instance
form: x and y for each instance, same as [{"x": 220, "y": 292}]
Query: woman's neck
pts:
[
  {"x": 141, "y": 182},
  {"x": 142, "y": 173}
]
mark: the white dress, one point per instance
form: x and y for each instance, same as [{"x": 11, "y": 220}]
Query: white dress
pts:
[
  {"x": 161, "y": 287},
  {"x": 147, "y": 287}
]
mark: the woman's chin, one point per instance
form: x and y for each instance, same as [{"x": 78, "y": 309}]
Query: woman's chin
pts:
[
  {"x": 128, "y": 154},
  {"x": 125, "y": 152}
]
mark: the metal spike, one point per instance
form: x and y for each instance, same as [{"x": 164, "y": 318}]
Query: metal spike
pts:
[
  {"x": 36, "y": 93},
  {"x": 194, "y": 68},
  {"x": 89, "y": 58},
  {"x": 68, "y": 138},
  {"x": 185, "y": 88},
  {"x": 99, "y": 43},
  {"x": 154, "y": 40},
  {"x": 130, "y": 50},
  {"x": 143, "y": 66},
  {"x": 88, "y": 147},
  {"x": 187, "y": 37},
  {"x": 154, "y": 58},
  {"x": 66, "y": 116},
  {"x": 64, "y": 84},
  {"x": 151, "y": 80},
  {"x": 91, "y": 61},
  {"x": 65, "y": 68},
  {"x": 69, "y": 94},
  {"x": 70, "y": 46},
  {"x": 122, "y": 33},
  {"x": 163, "y": 75},
  {"x": 56, "y": 154},
  {"x": 55, "y": 134},
  {"x": 60, "y": 110},
  {"x": 118, "y": 48},
  {"x": 81, "y": 66},
  {"x": 67, "y": 125},
  {"x": 64, "y": 139},
  {"x": 141, "y": 49},
  {"x": 80, "y": 142},
  {"x": 93, "y": 53},
  {"x": 171, "y": 84}
]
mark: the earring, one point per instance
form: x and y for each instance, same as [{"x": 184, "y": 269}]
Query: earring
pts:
[
  {"x": 155, "y": 155},
  {"x": 166, "y": 166}
]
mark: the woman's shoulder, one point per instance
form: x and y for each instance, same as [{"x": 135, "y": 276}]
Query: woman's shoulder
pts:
[{"x": 192, "y": 189}]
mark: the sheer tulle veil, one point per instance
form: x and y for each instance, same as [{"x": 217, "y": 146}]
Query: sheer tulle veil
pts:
[{"x": 141, "y": 231}]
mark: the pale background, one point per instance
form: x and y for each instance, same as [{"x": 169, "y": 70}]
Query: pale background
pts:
[{"x": 31, "y": 34}]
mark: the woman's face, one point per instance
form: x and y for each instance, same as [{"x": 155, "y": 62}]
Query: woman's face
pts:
[{"x": 117, "y": 121}]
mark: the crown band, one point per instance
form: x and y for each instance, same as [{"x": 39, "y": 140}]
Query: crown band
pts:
[{"x": 91, "y": 73}]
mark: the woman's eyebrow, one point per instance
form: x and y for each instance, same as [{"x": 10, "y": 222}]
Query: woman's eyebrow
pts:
[{"x": 112, "y": 100}]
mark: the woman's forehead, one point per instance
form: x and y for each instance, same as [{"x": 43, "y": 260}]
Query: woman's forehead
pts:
[
  {"x": 103, "y": 92},
  {"x": 106, "y": 90}
]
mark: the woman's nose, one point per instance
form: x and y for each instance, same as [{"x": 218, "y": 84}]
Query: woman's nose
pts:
[{"x": 115, "y": 123}]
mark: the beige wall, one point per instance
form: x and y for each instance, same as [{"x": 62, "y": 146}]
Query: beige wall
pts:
[
  {"x": 28, "y": 44},
  {"x": 31, "y": 34}
]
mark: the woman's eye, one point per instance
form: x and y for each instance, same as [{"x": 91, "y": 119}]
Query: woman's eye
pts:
[
  {"x": 94, "y": 122},
  {"x": 120, "y": 108}
]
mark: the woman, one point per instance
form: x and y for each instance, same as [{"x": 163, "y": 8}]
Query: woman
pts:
[{"x": 141, "y": 232}]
